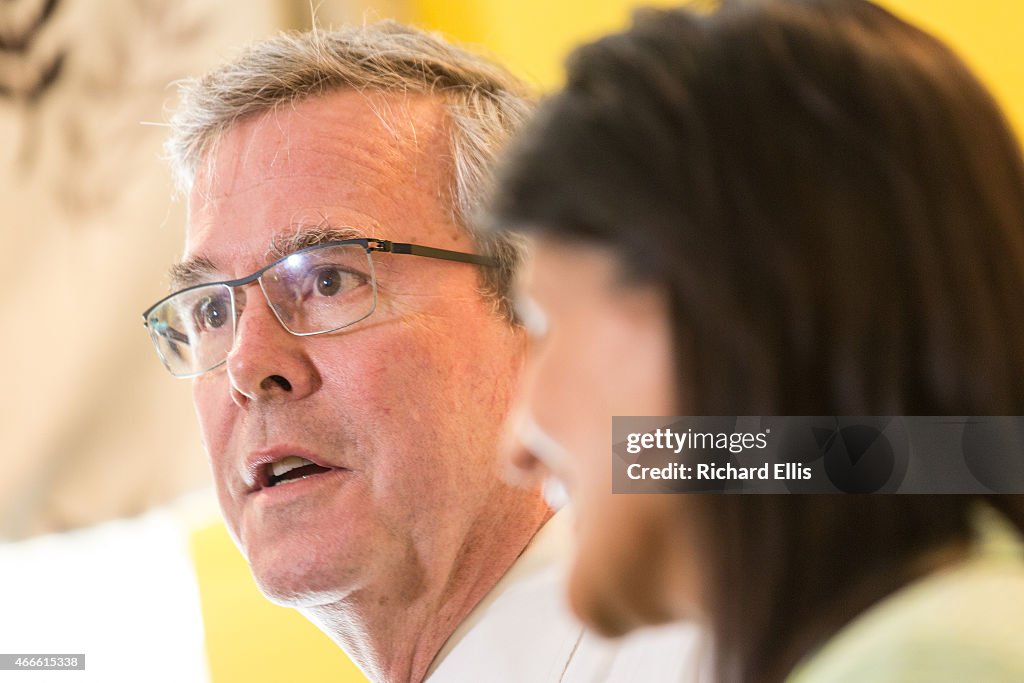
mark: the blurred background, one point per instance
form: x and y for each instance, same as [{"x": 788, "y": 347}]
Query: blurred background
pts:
[{"x": 110, "y": 542}]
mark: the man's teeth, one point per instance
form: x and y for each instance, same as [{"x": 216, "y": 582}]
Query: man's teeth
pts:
[
  {"x": 287, "y": 464},
  {"x": 285, "y": 482}
]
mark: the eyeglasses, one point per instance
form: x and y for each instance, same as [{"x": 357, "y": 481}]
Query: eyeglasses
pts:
[{"x": 315, "y": 290}]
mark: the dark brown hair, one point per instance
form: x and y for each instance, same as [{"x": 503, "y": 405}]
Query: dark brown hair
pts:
[{"x": 835, "y": 207}]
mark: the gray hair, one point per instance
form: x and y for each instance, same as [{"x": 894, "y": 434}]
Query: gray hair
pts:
[{"x": 485, "y": 103}]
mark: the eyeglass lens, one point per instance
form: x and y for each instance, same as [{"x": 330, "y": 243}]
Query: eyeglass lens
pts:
[{"x": 310, "y": 292}]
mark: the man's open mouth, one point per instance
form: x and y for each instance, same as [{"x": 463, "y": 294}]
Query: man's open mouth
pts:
[{"x": 292, "y": 468}]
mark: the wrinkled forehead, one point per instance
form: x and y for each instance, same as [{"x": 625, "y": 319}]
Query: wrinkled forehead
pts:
[
  {"x": 380, "y": 163},
  {"x": 407, "y": 127}
]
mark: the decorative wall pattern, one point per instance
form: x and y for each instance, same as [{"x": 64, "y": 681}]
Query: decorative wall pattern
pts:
[{"x": 93, "y": 426}]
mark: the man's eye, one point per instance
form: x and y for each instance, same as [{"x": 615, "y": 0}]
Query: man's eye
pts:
[
  {"x": 212, "y": 312},
  {"x": 329, "y": 281}
]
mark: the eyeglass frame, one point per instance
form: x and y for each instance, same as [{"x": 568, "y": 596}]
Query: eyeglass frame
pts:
[{"x": 370, "y": 244}]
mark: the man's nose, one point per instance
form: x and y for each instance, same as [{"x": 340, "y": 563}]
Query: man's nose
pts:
[{"x": 267, "y": 363}]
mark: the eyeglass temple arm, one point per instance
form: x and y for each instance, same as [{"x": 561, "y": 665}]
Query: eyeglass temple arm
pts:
[{"x": 431, "y": 252}]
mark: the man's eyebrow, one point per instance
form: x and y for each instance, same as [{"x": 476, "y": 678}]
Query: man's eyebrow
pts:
[
  {"x": 200, "y": 269},
  {"x": 285, "y": 245},
  {"x": 192, "y": 271}
]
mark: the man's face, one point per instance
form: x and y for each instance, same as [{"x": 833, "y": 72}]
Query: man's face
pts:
[{"x": 405, "y": 407}]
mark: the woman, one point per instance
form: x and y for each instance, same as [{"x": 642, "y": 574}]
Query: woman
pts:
[{"x": 779, "y": 208}]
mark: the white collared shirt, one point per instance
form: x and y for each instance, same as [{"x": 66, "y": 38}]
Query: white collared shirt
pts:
[{"x": 523, "y": 632}]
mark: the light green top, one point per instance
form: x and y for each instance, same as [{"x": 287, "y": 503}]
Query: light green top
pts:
[{"x": 962, "y": 623}]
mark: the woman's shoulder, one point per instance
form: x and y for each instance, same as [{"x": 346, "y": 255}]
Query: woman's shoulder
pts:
[{"x": 962, "y": 623}]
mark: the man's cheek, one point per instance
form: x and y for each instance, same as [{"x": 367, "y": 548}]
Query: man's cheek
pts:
[
  {"x": 214, "y": 412},
  {"x": 382, "y": 375}
]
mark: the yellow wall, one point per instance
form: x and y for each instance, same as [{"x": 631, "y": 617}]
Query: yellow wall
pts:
[
  {"x": 533, "y": 36},
  {"x": 530, "y": 36}
]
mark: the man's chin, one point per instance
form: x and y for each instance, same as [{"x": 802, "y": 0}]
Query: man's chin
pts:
[
  {"x": 294, "y": 589},
  {"x": 298, "y": 597},
  {"x": 295, "y": 575}
]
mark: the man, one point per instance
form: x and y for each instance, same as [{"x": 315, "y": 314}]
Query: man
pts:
[{"x": 355, "y": 355}]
